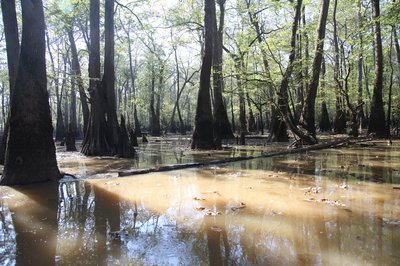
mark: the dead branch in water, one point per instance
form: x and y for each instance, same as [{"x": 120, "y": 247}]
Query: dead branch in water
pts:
[{"x": 321, "y": 146}]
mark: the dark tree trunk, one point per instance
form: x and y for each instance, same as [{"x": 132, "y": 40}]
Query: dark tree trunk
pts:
[
  {"x": 12, "y": 46},
  {"x": 125, "y": 149},
  {"x": 308, "y": 116},
  {"x": 30, "y": 154},
  {"x": 72, "y": 109},
  {"x": 389, "y": 111},
  {"x": 222, "y": 127},
  {"x": 340, "y": 116},
  {"x": 377, "y": 115},
  {"x": 132, "y": 72},
  {"x": 70, "y": 139},
  {"x": 324, "y": 123},
  {"x": 203, "y": 137},
  {"x": 278, "y": 130},
  {"x": 95, "y": 142},
  {"x": 108, "y": 80},
  {"x": 133, "y": 138},
  {"x": 76, "y": 71},
  {"x": 361, "y": 115},
  {"x": 251, "y": 121},
  {"x": 154, "y": 126}
]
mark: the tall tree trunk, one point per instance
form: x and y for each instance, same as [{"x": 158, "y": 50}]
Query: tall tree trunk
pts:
[
  {"x": 30, "y": 153},
  {"x": 95, "y": 142},
  {"x": 222, "y": 127},
  {"x": 361, "y": 115},
  {"x": 76, "y": 71},
  {"x": 12, "y": 46},
  {"x": 72, "y": 110},
  {"x": 132, "y": 72},
  {"x": 251, "y": 121},
  {"x": 308, "y": 116},
  {"x": 389, "y": 112},
  {"x": 377, "y": 116},
  {"x": 203, "y": 136},
  {"x": 154, "y": 126},
  {"x": 325, "y": 123},
  {"x": 340, "y": 116},
  {"x": 108, "y": 80},
  {"x": 278, "y": 130}
]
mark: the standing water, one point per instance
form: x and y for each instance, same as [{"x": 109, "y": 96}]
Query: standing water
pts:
[{"x": 330, "y": 207}]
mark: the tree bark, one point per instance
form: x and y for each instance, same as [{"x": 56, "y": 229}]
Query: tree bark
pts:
[
  {"x": 203, "y": 136},
  {"x": 279, "y": 127},
  {"x": 308, "y": 115},
  {"x": 377, "y": 116},
  {"x": 30, "y": 154},
  {"x": 222, "y": 127},
  {"x": 95, "y": 142},
  {"x": 12, "y": 47},
  {"x": 76, "y": 71},
  {"x": 361, "y": 115},
  {"x": 108, "y": 80},
  {"x": 325, "y": 123}
]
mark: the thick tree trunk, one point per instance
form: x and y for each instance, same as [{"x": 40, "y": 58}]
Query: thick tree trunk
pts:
[
  {"x": 95, "y": 142},
  {"x": 12, "y": 46},
  {"x": 222, "y": 127},
  {"x": 76, "y": 71},
  {"x": 30, "y": 154},
  {"x": 308, "y": 115},
  {"x": 203, "y": 136},
  {"x": 108, "y": 80},
  {"x": 377, "y": 116}
]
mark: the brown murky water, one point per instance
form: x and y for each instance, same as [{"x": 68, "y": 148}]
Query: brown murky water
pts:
[{"x": 331, "y": 207}]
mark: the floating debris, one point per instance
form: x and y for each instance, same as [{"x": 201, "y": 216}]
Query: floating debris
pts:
[
  {"x": 198, "y": 198},
  {"x": 241, "y": 206}
]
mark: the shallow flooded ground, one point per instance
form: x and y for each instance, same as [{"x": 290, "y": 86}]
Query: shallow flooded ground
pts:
[{"x": 330, "y": 207}]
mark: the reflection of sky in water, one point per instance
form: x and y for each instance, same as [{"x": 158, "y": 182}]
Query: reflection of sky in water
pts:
[{"x": 315, "y": 208}]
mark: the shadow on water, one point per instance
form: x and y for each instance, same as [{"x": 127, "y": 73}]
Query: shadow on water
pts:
[{"x": 319, "y": 208}]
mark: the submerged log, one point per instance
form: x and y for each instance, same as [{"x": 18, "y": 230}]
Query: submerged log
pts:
[{"x": 333, "y": 144}]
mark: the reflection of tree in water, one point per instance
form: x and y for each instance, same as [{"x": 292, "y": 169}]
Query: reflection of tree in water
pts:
[{"x": 36, "y": 225}]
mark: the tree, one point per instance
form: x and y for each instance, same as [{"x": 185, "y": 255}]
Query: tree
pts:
[
  {"x": 95, "y": 142},
  {"x": 340, "y": 118},
  {"x": 30, "y": 153},
  {"x": 12, "y": 47},
  {"x": 203, "y": 136},
  {"x": 108, "y": 81},
  {"x": 222, "y": 127},
  {"x": 308, "y": 115},
  {"x": 377, "y": 116},
  {"x": 76, "y": 71}
]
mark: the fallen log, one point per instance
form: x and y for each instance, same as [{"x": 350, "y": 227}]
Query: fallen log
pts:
[{"x": 320, "y": 146}]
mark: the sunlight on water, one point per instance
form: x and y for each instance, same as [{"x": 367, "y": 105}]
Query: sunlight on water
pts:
[{"x": 331, "y": 207}]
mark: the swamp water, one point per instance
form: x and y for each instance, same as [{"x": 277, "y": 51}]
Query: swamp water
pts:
[{"x": 330, "y": 207}]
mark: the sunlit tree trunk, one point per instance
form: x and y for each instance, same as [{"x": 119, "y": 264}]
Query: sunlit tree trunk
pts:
[
  {"x": 30, "y": 153},
  {"x": 377, "y": 116},
  {"x": 203, "y": 136},
  {"x": 308, "y": 115},
  {"x": 279, "y": 126}
]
